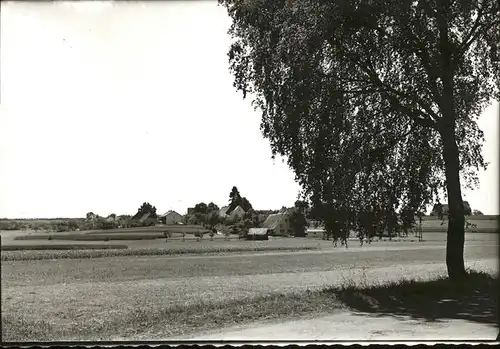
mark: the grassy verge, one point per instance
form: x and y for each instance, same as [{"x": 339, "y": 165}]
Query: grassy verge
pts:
[
  {"x": 80, "y": 254},
  {"x": 473, "y": 300}
]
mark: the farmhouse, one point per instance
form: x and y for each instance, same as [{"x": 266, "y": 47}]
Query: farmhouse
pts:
[
  {"x": 279, "y": 223},
  {"x": 171, "y": 217},
  {"x": 238, "y": 212},
  {"x": 257, "y": 234}
]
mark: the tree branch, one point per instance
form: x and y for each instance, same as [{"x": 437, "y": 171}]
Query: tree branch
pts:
[
  {"x": 425, "y": 59},
  {"x": 431, "y": 117},
  {"x": 474, "y": 28},
  {"x": 466, "y": 45}
]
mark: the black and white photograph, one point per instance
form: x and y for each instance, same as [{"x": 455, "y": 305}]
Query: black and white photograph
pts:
[{"x": 249, "y": 171}]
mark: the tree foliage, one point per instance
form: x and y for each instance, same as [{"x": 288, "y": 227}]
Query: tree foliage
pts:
[
  {"x": 372, "y": 100},
  {"x": 201, "y": 208},
  {"x": 211, "y": 207},
  {"x": 235, "y": 200},
  {"x": 234, "y": 196},
  {"x": 146, "y": 207}
]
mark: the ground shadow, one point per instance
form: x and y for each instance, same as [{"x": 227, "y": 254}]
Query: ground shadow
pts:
[{"x": 474, "y": 300}]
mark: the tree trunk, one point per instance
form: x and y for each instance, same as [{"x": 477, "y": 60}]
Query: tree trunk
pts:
[
  {"x": 456, "y": 230},
  {"x": 456, "y": 220}
]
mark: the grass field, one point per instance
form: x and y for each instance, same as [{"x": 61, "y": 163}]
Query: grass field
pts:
[
  {"x": 481, "y": 224},
  {"x": 404, "y": 297},
  {"x": 148, "y": 243},
  {"x": 159, "y": 247},
  {"x": 165, "y": 296}
]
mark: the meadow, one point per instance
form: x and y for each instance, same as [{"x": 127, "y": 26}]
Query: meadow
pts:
[
  {"x": 166, "y": 296},
  {"x": 130, "y": 284}
]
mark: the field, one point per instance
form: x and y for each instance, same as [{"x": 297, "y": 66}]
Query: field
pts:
[
  {"x": 480, "y": 224},
  {"x": 47, "y": 295}
]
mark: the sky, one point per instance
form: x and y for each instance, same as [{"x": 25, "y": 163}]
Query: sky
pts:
[{"x": 105, "y": 106}]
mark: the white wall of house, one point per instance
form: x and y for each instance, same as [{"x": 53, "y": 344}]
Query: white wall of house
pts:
[{"x": 173, "y": 218}]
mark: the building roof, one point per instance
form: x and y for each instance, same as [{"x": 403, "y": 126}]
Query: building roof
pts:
[
  {"x": 273, "y": 220},
  {"x": 223, "y": 210},
  {"x": 238, "y": 208},
  {"x": 144, "y": 217},
  {"x": 257, "y": 231},
  {"x": 168, "y": 213}
]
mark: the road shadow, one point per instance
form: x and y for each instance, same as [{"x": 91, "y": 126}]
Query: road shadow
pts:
[{"x": 475, "y": 300}]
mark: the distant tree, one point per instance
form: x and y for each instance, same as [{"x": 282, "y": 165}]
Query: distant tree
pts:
[
  {"x": 298, "y": 223},
  {"x": 235, "y": 200},
  {"x": 477, "y": 213},
  {"x": 90, "y": 216},
  {"x": 245, "y": 204},
  {"x": 146, "y": 208},
  {"x": 302, "y": 205},
  {"x": 201, "y": 208},
  {"x": 73, "y": 224},
  {"x": 467, "y": 209},
  {"x": 407, "y": 220},
  {"x": 250, "y": 220},
  {"x": 191, "y": 220},
  {"x": 211, "y": 220},
  {"x": 124, "y": 221},
  {"x": 149, "y": 222},
  {"x": 234, "y": 197},
  {"x": 112, "y": 216},
  {"x": 437, "y": 210},
  {"x": 211, "y": 207}
]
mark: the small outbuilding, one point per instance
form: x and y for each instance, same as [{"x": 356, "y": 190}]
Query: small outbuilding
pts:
[{"x": 258, "y": 234}]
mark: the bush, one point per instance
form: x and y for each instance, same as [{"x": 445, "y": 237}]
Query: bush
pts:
[
  {"x": 73, "y": 224},
  {"x": 61, "y": 227},
  {"x": 12, "y": 225}
]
